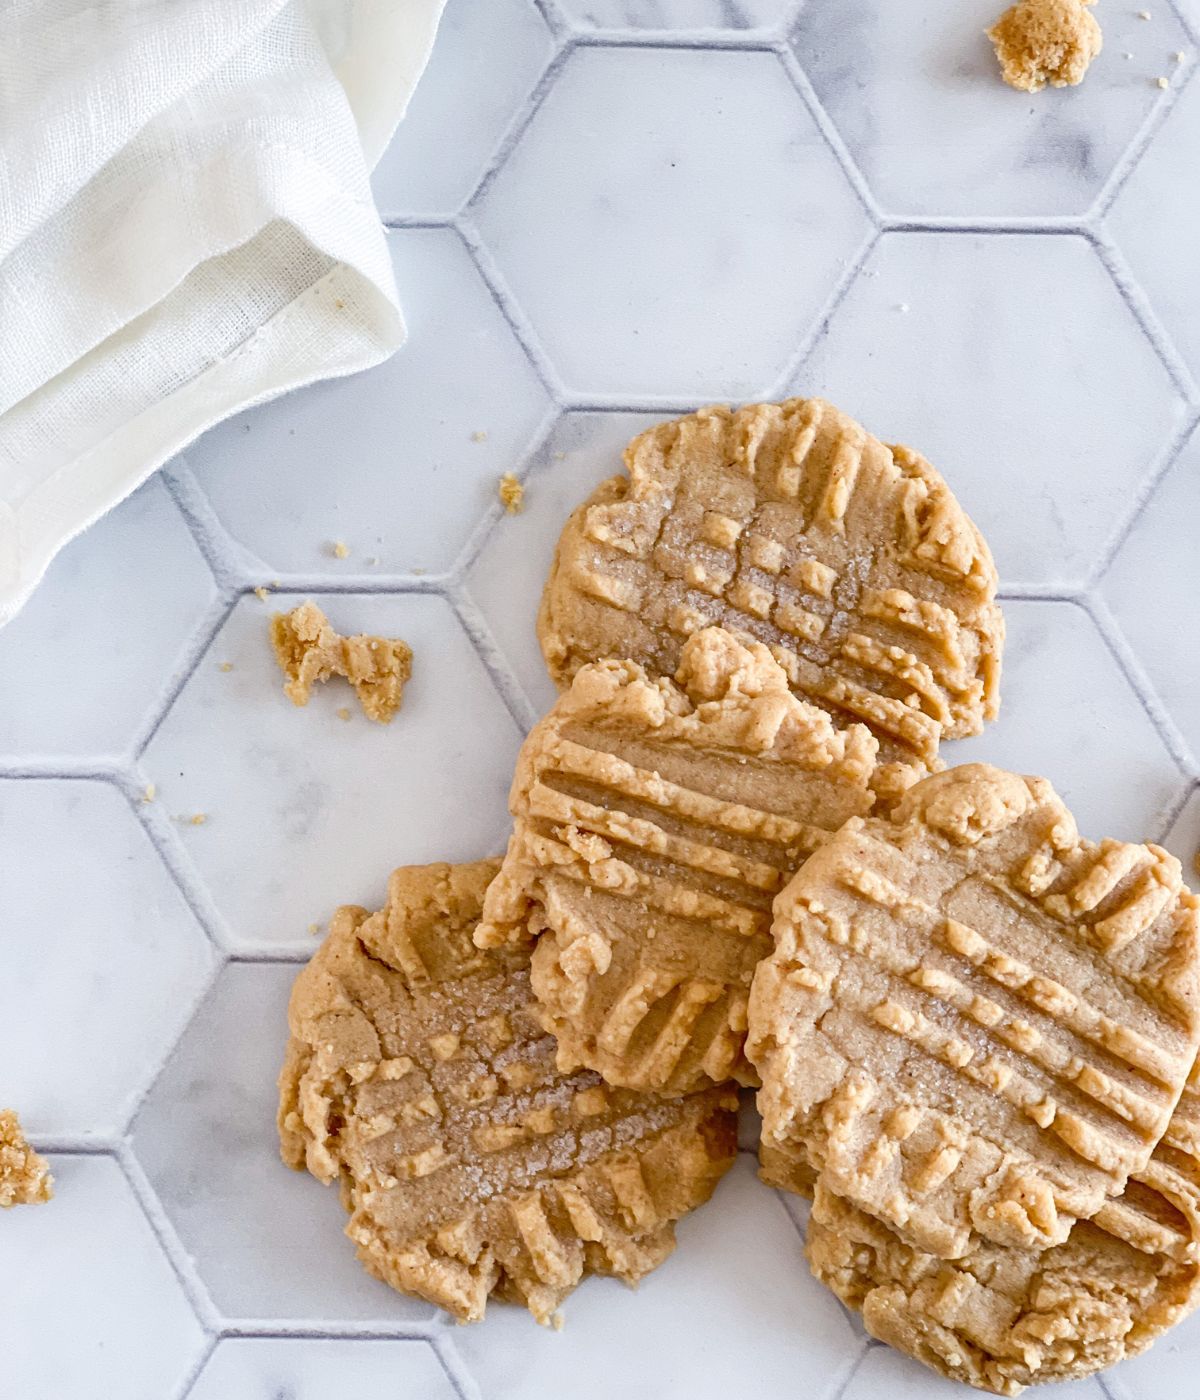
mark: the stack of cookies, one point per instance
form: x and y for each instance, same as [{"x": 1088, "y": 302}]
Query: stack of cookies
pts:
[{"x": 738, "y": 858}]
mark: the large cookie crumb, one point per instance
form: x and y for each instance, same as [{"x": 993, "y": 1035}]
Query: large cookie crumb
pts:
[
  {"x": 25, "y": 1178},
  {"x": 309, "y": 650},
  {"x": 512, "y": 493},
  {"x": 1045, "y": 41}
]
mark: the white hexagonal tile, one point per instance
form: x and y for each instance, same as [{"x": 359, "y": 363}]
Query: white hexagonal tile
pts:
[
  {"x": 268, "y": 1242},
  {"x": 77, "y": 678},
  {"x": 92, "y": 1309},
  {"x": 735, "y": 1300},
  {"x": 675, "y": 14},
  {"x": 1183, "y": 839},
  {"x": 444, "y": 143},
  {"x": 1148, "y": 588},
  {"x": 102, "y": 958},
  {"x": 917, "y": 96},
  {"x": 506, "y": 580},
  {"x": 887, "y": 1375},
  {"x": 1155, "y": 221},
  {"x": 671, "y": 221},
  {"x": 1068, "y": 714},
  {"x": 277, "y": 784},
  {"x": 980, "y": 350},
  {"x": 271, "y": 1368},
  {"x": 399, "y": 462}
]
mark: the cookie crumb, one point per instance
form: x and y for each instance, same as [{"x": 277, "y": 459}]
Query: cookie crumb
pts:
[
  {"x": 1143, "y": 14},
  {"x": 902, "y": 306},
  {"x": 560, "y": 456},
  {"x": 225, "y": 666},
  {"x": 1179, "y": 56},
  {"x": 25, "y": 1178},
  {"x": 512, "y": 493},
  {"x": 372, "y": 561},
  {"x": 1163, "y": 83},
  {"x": 149, "y": 792},
  {"x": 479, "y": 436},
  {"x": 261, "y": 593},
  {"x": 309, "y": 650},
  {"x": 198, "y": 818},
  {"x": 340, "y": 549},
  {"x": 343, "y": 712},
  {"x": 1045, "y": 41},
  {"x": 314, "y": 928}
]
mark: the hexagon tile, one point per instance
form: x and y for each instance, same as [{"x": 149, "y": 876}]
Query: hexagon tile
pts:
[
  {"x": 600, "y": 212},
  {"x": 671, "y": 222}
]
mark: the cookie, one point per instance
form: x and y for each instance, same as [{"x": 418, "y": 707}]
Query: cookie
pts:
[
  {"x": 975, "y": 1025},
  {"x": 309, "y": 651},
  {"x": 791, "y": 525},
  {"x": 417, "y": 1077},
  {"x": 654, "y": 823},
  {"x": 25, "y": 1178},
  {"x": 1007, "y": 1318}
]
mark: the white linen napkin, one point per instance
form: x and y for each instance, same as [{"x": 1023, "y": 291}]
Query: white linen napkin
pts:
[{"x": 186, "y": 228}]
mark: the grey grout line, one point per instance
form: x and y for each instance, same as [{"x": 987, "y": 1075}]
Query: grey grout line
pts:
[
  {"x": 464, "y": 1383},
  {"x": 829, "y": 130},
  {"x": 300, "y": 1329},
  {"x": 521, "y": 712},
  {"x": 492, "y": 518},
  {"x": 1140, "y": 500},
  {"x": 169, "y": 1242},
  {"x": 1142, "y": 310},
  {"x": 1139, "y": 682},
  {"x": 75, "y": 1144},
  {"x": 1051, "y": 226},
  {"x": 510, "y": 308},
  {"x": 705, "y": 40},
  {"x": 820, "y": 324},
  {"x": 196, "y": 1370},
  {"x": 1131, "y": 157},
  {"x": 63, "y": 770},
  {"x": 1171, "y": 812},
  {"x": 557, "y": 23},
  {"x": 230, "y": 561}
]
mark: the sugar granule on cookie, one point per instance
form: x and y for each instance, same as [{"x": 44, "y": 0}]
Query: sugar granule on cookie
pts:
[
  {"x": 653, "y": 823},
  {"x": 1046, "y": 41},
  {"x": 1005, "y": 1318},
  {"x": 790, "y": 525},
  {"x": 512, "y": 493},
  {"x": 308, "y": 651},
  {"x": 418, "y": 1078},
  {"x": 25, "y": 1178},
  {"x": 975, "y": 1025}
]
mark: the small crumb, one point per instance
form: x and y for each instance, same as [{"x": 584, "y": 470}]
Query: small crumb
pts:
[
  {"x": 314, "y": 928},
  {"x": 198, "y": 818},
  {"x": 149, "y": 792},
  {"x": 25, "y": 1178},
  {"x": 1126, "y": 55},
  {"x": 1179, "y": 56},
  {"x": 560, "y": 456},
  {"x": 418, "y": 572},
  {"x": 308, "y": 650},
  {"x": 343, "y": 712},
  {"x": 340, "y": 304},
  {"x": 1163, "y": 83},
  {"x": 479, "y": 436},
  {"x": 512, "y": 493},
  {"x": 260, "y": 593},
  {"x": 372, "y": 561},
  {"x": 340, "y": 549},
  {"x": 902, "y": 306},
  {"x": 1143, "y": 14},
  {"x": 225, "y": 666}
]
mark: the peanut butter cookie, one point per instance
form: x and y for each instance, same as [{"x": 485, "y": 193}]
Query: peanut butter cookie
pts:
[
  {"x": 417, "y": 1078},
  {"x": 1005, "y": 1318},
  {"x": 975, "y": 1025},
  {"x": 1046, "y": 41},
  {"x": 654, "y": 822},
  {"x": 791, "y": 525},
  {"x": 309, "y": 651}
]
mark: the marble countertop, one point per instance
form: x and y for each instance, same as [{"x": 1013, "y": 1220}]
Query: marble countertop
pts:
[{"x": 601, "y": 212}]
